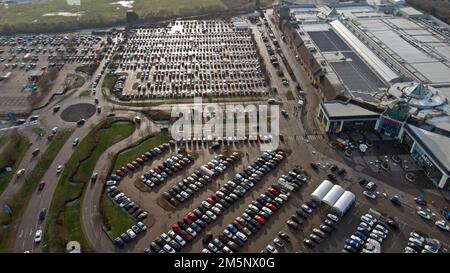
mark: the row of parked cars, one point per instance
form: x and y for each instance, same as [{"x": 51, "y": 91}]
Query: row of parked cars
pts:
[
  {"x": 370, "y": 229},
  {"x": 186, "y": 188},
  {"x": 169, "y": 167},
  {"x": 251, "y": 221},
  {"x": 211, "y": 208},
  {"x": 130, "y": 234},
  {"x": 421, "y": 244},
  {"x": 124, "y": 202},
  {"x": 141, "y": 160}
]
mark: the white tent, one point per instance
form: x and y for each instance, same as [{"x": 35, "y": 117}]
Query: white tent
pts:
[
  {"x": 333, "y": 195},
  {"x": 343, "y": 203},
  {"x": 321, "y": 191}
]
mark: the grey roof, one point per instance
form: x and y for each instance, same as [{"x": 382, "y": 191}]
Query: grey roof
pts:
[
  {"x": 338, "y": 109},
  {"x": 436, "y": 144}
]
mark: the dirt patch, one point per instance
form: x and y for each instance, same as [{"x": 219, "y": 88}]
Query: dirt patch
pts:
[
  {"x": 75, "y": 112},
  {"x": 163, "y": 204},
  {"x": 150, "y": 221},
  {"x": 140, "y": 186}
]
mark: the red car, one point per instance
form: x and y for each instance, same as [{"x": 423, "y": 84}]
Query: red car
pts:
[
  {"x": 271, "y": 207},
  {"x": 140, "y": 161},
  {"x": 192, "y": 216},
  {"x": 182, "y": 163},
  {"x": 314, "y": 165},
  {"x": 157, "y": 170},
  {"x": 215, "y": 198},
  {"x": 120, "y": 173},
  {"x": 185, "y": 235},
  {"x": 211, "y": 201},
  {"x": 144, "y": 158},
  {"x": 259, "y": 219},
  {"x": 41, "y": 186},
  {"x": 177, "y": 228},
  {"x": 238, "y": 225},
  {"x": 187, "y": 220},
  {"x": 273, "y": 191},
  {"x": 130, "y": 167}
]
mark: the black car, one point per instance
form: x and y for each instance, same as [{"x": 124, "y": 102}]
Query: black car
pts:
[
  {"x": 396, "y": 201},
  {"x": 334, "y": 168},
  {"x": 392, "y": 224},
  {"x": 255, "y": 223},
  {"x": 224, "y": 239},
  {"x": 302, "y": 214},
  {"x": 308, "y": 243},
  {"x": 341, "y": 171},
  {"x": 175, "y": 245},
  {"x": 233, "y": 246},
  {"x": 297, "y": 219},
  {"x": 332, "y": 177},
  {"x": 119, "y": 242},
  {"x": 160, "y": 242},
  {"x": 284, "y": 236},
  {"x": 238, "y": 241},
  {"x": 218, "y": 243},
  {"x": 311, "y": 203},
  {"x": 224, "y": 203},
  {"x": 196, "y": 227},
  {"x": 292, "y": 224},
  {"x": 155, "y": 247},
  {"x": 125, "y": 237}
]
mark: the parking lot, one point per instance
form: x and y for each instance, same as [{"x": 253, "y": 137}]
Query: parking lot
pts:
[
  {"x": 190, "y": 58},
  {"x": 26, "y": 60}
]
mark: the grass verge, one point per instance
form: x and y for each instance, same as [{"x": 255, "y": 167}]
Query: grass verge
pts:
[
  {"x": 64, "y": 220},
  {"x": 290, "y": 95},
  {"x": 19, "y": 201},
  {"x": 11, "y": 155},
  {"x": 77, "y": 82}
]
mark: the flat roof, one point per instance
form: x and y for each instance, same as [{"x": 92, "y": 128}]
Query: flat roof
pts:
[
  {"x": 437, "y": 145},
  {"x": 341, "y": 110},
  {"x": 328, "y": 41}
]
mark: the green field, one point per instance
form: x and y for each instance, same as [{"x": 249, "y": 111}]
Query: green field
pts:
[
  {"x": 64, "y": 215},
  {"x": 19, "y": 201},
  {"x": 99, "y": 13},
  {"x": 12, "y": 151}
]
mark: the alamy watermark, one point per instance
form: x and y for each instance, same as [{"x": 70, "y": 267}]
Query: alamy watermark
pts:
[{"x": 211, "y": 122}]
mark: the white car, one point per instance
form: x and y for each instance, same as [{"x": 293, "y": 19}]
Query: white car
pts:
[
  {"x": 180, "y": 240},
  {"x": 442, "y": 225},
  {"x": 382, "y": 229},
  {"x": 216, "y": 210},
  {"x": 409, "y": 250},
  {"x": 191, "y": 231},
  {"x": 415, "y": 241},
  {"x": 267, "y": 210},
  {"x": 431, "y": 249},
  {"x": 131, "y": 233},
  {"x": 38, "y": 236},
  {"x": 206, "y": 204},
  {"x": 205, "y": 251},
  {"x": 212, "y": 247},
  {"x": 20, "y": 172},
  {"x": 75, "y": 142},
  {"x": 271, "y": 249},
  {"x": 424, "y": 215},
  {"x": 241, "y": 236},
  {"x": 379, "y": 233},
  {"x": 370, "y": 195},
  {"x": 168, "y": 249},
  {"x": 306, "y": 209},
  {"x": 165, "y": 237},
  {"x": 59, "y": 169},
  {"x": 211, "y": 215},
  {"x": 367, "y": 220},
  {"x": 333, "y": 217},
  {"x": 417, "y": 236},
  {"x": 142, "y": 226},
  {"x": 110, "y": 183}
]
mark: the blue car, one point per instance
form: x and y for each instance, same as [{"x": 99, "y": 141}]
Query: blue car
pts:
[
  {"x": 361, "y": 235},
  {"x": 232, "y": 228},
  {"x": 115, "y": 177},
  {"x": 201, "y": 223},
  {"x": 354, "y": 244}
]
